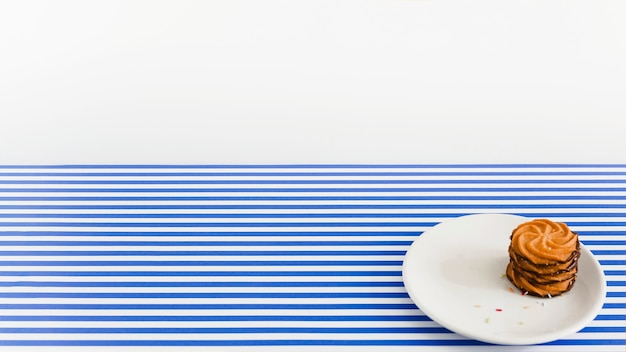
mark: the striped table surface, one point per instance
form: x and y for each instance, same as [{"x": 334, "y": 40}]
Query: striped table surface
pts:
[{"x": 281, "y": 256}]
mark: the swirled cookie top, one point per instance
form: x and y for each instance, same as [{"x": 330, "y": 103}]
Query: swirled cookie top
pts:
[{"x": 542, "y": 241}]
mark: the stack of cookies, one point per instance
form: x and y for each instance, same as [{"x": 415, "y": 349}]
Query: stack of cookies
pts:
[{"x": 543, "y": 258}]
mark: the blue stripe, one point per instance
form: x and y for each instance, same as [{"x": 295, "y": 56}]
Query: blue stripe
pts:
[
  {"x": 193, "y": 243},
  {"x": 310, "y": 206},
  {"x": 313, "y": 174},
  {"x": 235, "y": 253},
  {"x": 243, "y": 306},
  {"x": 247, "y": 233},
  {"x": 604, "y": 329},
  {"x": 214, "y": 243},
  {"x": 204, "y": 253},
  {"x": 616, "y": 283},
  {"x": 599, "y": 242},
  {"x": 209, "y": 306},
  {"x": 18, "y": 263},
  {"x": 152, "y": 295},
  {"x": 609, "y": 251},
  {"x": 615, "y": 272},
  {"x": 395, "y": 317},
  {"x": 224, "y": 343},
  {"x": 310, "y": 190},
  {"x": 306, "y": 166},
  {"x": 273, "y": 330},
  {"x": 213, "y": 233},
  {"x": 200, "y": 284},
  {"x": 604, "y": 317},
  {"x": 314, "y": 198},
  {"x": 283, "y": 215},
  {"x": 340, "y": 342},
  {"x": 261, "y": 224},
  {"x": 614, "y": 305},
  {"x": 230, "y": 224},
  {"x": 227, "y": 284},
  {"x": 306, "y": 182},
  {"x": 200, "y": 273},
  {"x": 612, "y": 262},
  {"x": 217, "y": 318}
]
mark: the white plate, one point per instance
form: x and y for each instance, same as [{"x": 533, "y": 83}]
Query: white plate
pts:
[{"x": 454, "y": 274}]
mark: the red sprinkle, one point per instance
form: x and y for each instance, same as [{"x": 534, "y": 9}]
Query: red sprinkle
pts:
[{"x": 498, "y": 310}]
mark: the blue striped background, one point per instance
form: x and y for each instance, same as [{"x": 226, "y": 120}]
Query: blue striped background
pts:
[{"x": 269, "y": 255}]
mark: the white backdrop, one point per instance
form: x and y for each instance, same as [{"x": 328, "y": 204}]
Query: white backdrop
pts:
[{"x": 289, "y": 81}]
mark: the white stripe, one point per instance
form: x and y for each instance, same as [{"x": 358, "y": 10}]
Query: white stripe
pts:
[
  {"x": 618, "y": 208},
  {"x": 295, "y": 220},
  {"x": 242, "y": 269},
  {"x": 36, "y": 189},
  {"x": 300, "y": 348},
  {"x": 301, "y": 278},
  {"x": 397, "y": 236},
  {"x": 260, "y": 248},
  {"x": 273, "y": 336},
  {"x": 269, "y": 301},
  {"x": 505, "y": 192},
  {"x": 213, "y": 312},
  {"x": 218, "y": 324},
  {"x": 393, "y": 289},
  {"x": 236, "y": 337}
]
